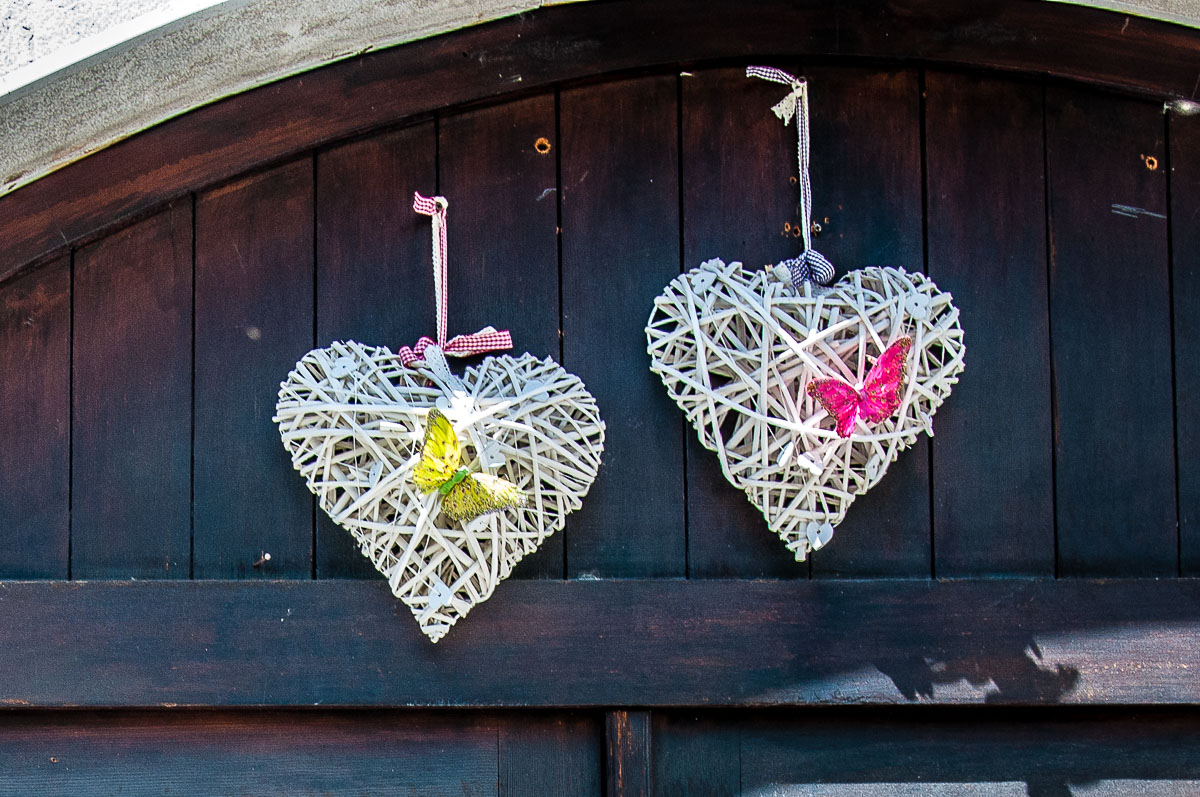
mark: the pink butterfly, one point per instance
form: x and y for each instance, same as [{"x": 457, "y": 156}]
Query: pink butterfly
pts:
[{"x": 879, "y": 396}]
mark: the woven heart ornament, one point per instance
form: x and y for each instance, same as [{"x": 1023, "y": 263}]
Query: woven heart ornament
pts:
[
  {"x": 737, "y": 350},
  {"x": 512, "y": 446},
  {"x": 805, "y": 392}
]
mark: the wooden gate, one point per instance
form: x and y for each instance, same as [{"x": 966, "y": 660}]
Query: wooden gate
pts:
[{"x": 1009, "y": 612}]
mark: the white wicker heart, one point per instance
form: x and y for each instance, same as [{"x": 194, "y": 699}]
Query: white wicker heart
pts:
[
  {"x": 353, "y": 418},
  {"x": 736, "y": 350}
]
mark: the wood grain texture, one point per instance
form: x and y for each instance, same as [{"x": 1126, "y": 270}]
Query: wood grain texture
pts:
[
  {"x": 374, "y": 270},
  {"x": 993, "y": 478},
  {"x": 560, "y": 44},
  {"x": 1111, "y": 335},
  {"x": 866, "y": 176},
  {"x": 1185, "y": 262},
  {"x": 260, "y": 753},
  {"x": 628, "y": 742},
  {"x": 620, "y": 246},
  {"x": 1033, "y": 752},
  {"x": 503, "y": 239},
  {"x": 132, "y": 423},
  {"x": 254, "y": 308},
  {"x": 696, "y": 755},
  {"x": 551, "y": 755},
  {"x": 35, "y": 423},
  {"x": 604, "y": 643},
  {"x": 738, "y": 165}
]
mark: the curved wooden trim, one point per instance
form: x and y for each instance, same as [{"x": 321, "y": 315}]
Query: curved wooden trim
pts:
[
  {"x": 598, "y": 643},
  {"x": 565, "y": 43}
]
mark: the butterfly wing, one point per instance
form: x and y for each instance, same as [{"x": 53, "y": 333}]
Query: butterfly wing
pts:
[
  {"x": 839, "y": 400},
  {"x": 441, "y": 453},
  {"x": 884, "y": 385},
  {"x": 478, "y": 494}
]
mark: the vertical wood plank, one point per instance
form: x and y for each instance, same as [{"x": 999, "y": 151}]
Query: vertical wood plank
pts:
[
  {"x": 254, "y": 307},
  {"x": 1110, "y": 311},
  {"x": 866, "y": 175},
  {"x": 739, "y": 168},
  {"x": 620, "y": 246},
  {"x": 697, "y": 756},
  {"x": 503, "y": 239},
  {"x": 1018, "y": 753},
  {"x": 627, "y": 739},
  {"x": 35, "y": 416},
  {"x": 550, "y": 756},
  {"x": 132, "y": 423},
  {"x": 283, "y": 754},
  {"x": 1185, "y": 259},
  {"x": 374, "y": 278},
  {"x": 993, "y": 478}
]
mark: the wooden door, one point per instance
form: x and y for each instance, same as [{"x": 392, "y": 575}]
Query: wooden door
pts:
[{"x": 1010, "y": 612}]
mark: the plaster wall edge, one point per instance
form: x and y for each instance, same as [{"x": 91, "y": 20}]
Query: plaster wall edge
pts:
[
  {"x": 112, "y": 86},
  {"x": 144, "y": 72}
]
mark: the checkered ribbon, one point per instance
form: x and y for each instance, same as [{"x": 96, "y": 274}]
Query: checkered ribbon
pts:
[
  {"x": 486, "y": 339},
  {"x": 812, "y": 265}
]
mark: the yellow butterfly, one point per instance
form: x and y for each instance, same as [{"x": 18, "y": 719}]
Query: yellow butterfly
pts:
[{"x": 465, "y": 495}]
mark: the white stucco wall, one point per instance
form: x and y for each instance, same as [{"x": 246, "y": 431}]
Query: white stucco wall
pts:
[
  {"x": 37, "y": 30},
  {"x": 79, "y": 75}
]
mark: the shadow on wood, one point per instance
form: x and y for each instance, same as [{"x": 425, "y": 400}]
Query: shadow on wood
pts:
[{"x": 589, "y": 643}]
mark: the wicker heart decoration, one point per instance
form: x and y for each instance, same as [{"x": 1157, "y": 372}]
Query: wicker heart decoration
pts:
[
  {"x": 736, "y": 350},
  {"x": 353, "y": 418}
]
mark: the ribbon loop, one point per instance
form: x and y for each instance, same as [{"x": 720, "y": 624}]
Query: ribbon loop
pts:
[
  {"x": 811, "y": 265},
  {"x": 486, "y": 339}
]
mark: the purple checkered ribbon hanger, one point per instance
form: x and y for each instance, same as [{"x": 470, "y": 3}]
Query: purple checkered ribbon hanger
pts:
[{"x": 811, "y": 265}]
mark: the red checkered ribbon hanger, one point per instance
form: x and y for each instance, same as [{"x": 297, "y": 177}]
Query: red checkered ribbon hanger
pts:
[{"x": 486, "y": 339}]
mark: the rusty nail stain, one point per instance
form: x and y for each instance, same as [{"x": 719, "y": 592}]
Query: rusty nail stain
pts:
[{"x": 542, "y": 145}]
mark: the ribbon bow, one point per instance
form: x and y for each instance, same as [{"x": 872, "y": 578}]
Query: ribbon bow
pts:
[
  {"x": 486, "y": 339},
  {"x": 811, "y": 265}
]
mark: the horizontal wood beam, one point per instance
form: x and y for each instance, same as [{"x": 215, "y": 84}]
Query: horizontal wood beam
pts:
[
  {"x": 603, "y": 643},
  {"x": 567, "y": 43}
]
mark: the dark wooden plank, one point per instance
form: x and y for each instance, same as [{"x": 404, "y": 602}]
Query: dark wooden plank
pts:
[
  {"x": 1034, "y": 752},
  {"x": 993, "y": 479},
  {"x": 550, "y": 756},
  {"x": 739, "y": 167},
  {"x": 604, "y": 643},
  {"x": 272, "y": 753},
  {"x": 627, "y": 739},
  {"x": 1185, "y": 262},
  {"x": 696, "y": 756},
  {"x": 254, "y": 308},
  {"x": 1110, "y": 325},
  {"x": 620, "y": 247},
  {"x": 132, "y": 390},
  {"x": 374, "y": 269},
  {"x": 866, "y": 176},
  {"x": 276, "y": 121},
  {"x": 503, "y": 239},
  {"x": 35, "y": 423}
]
